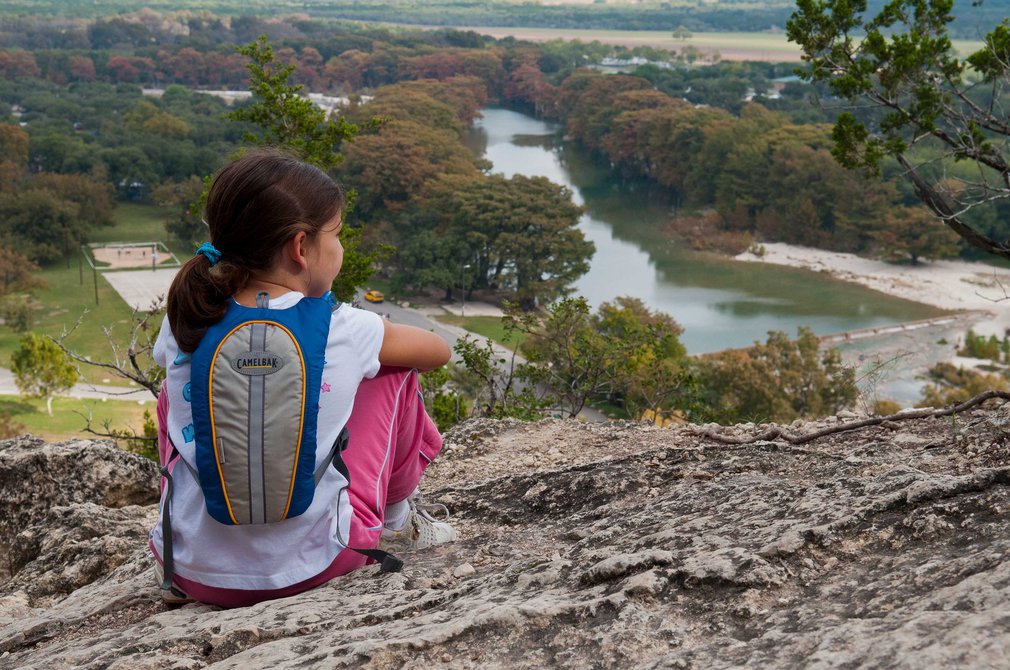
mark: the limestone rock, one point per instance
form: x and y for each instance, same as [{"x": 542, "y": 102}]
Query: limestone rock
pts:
[{"x": 622, "y": 545}]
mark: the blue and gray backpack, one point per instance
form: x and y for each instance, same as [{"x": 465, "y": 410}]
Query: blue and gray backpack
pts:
[{"x": 255, "y": 383}]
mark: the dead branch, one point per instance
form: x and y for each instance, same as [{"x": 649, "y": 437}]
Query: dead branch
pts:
[
  {"x": 110, "y": 432},
  {"x": 779, "y": 433},
  {"x": 129, "y": 363}
]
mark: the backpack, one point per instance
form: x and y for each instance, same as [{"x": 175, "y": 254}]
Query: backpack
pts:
[{"x": 254, "y": 391}]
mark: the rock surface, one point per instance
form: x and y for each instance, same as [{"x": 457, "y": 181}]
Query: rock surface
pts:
[{"x": 583, "y": 545}]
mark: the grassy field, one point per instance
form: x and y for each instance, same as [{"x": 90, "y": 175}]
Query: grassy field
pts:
[
  {"x": 759, "y": 46},
  {"x": 70, "y": 294},
  {"x": 486, "y": 326},
  {"x": 141, "y": 223},
  {"x": 67, "y": 421}
]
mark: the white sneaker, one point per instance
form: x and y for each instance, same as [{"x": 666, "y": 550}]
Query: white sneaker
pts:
[{"x": 421, "y": 530}]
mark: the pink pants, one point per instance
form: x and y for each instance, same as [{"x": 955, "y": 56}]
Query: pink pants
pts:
[{"x": 392, "y": 442}]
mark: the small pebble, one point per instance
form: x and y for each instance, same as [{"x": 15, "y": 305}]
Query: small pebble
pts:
[{"x": 464, "y": 570}]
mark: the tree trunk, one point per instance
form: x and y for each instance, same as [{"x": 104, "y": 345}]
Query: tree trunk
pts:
[{"x": 49, "y": 404}]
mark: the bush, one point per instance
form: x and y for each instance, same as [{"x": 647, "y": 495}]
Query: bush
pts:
[
  {"x": 17, "y": 314},
  {"x": 952, "y": 385},
  {"x": 9, "y": 427},
  {"x": 980, "y": 346},
  {"x": 779, "y": 381}
]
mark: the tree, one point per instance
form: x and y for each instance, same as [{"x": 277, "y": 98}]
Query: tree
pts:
[
  {"x": 780, "y": 380},
  {"x": 681, "y": 33},
  {"x": 287, "y": 119},
  {"x": 624, "y": 355},
  {"x": 81, "y": 68},
  {"x": 499, "y": 385},
  {"x": 17, "y": 272},
  {"x": 37, "y": 223},
  {"x": 949, "y": 385},
  {"x": 651, "y": 372},
  {"x": 573, "y": 356},
  {"x": 521, "y": 234},
  {"x": 186, "y": 225},
  {"x": 923, "y": 95},
  {"x": 284, "y": 116},
  {"x": 914, "y": 232},
  {"x": 41, "y": 368}
]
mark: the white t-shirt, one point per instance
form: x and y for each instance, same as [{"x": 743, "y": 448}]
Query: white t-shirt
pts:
[{"x": 268, "y": 556}]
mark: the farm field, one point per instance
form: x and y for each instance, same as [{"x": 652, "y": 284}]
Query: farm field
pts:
[{"x": 757, "y": 46}]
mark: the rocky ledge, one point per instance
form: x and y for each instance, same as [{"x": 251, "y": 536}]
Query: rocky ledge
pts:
[{"x": 617, "y": 545}]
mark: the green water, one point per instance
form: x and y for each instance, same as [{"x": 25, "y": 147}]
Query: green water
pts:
[{"x": 720, "y": 303}]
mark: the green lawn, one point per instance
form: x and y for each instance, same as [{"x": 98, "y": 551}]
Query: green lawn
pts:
[
  {"x": 66, "y": 422},
  {"x": 141, "y": 223},
  {"x": 70, "y": 293},
  {"x": 486, "y": 326}
]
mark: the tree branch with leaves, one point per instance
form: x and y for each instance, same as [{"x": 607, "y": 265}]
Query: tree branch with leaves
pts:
[{"x": 940, "y": 116}]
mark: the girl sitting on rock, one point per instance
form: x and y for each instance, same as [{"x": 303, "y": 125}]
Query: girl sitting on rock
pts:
[{"x": 273, "y": 254}]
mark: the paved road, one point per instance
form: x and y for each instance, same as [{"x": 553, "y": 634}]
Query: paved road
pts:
[
  {"x": 422, "y": 317},
  {"x": 81, "y": 390}
]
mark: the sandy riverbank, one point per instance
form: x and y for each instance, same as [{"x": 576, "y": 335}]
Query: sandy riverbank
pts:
[{"x": 954, "y": 285}]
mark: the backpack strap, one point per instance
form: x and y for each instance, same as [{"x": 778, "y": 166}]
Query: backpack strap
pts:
[
  {"x": 387, "y": 562},
  {"x": 168, "y": 562}
]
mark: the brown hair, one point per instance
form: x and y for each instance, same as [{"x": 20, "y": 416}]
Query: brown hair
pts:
[{"x": 256, "y": 204}]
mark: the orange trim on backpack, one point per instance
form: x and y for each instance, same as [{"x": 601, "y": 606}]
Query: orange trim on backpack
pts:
[{"x": 213, "y": 429}]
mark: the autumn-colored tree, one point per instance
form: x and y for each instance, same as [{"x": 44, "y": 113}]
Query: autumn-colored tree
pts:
[
  {"x": 390, "y": 167},
  {"x": 527, "y": 85},
  {"x": 185, "y": 66},
  {"x": 465, "y": 95},
  {"x": 122, "y": 69},
  {"x": 81, "y": 68},
  {"x": 18, "y": 65},
  {"x": 780, "y": 380},
  {"x": 588, "y": 101},
  {"x": 485, "y": 66},
  {"x": 411, "y": 103},
  {"x": 950, "y": 385},
  {"x": 345, "y": 72},
  {"x": 914, "y": 233},
  {"x": 441, "y": 64},
  {"x": 17, "y": 272}
]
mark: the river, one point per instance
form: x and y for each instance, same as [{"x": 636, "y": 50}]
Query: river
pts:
[{"x": 720, "y": 303}]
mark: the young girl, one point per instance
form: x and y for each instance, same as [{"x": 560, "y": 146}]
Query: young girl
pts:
[{"x": 274, "y": 228}]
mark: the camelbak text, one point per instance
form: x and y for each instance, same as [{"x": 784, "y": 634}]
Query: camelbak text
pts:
[{"x": 257, "y": 363}]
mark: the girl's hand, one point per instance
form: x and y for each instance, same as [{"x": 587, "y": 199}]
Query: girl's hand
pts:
[{"x": 411, "y": 347}]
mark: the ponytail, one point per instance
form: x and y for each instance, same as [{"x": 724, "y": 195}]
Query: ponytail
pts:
[
  {"x": 256, "y": 204},
  {"x": 199, "y": 298}
]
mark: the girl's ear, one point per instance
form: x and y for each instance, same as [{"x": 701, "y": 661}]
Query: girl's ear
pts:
[{"x": 297, "y": 249}]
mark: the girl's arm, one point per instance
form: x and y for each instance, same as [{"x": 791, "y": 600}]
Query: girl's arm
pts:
[{"x": 411, "y": 347}]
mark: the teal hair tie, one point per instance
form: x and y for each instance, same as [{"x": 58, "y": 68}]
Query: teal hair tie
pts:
[{"x": 211, "y": 252}]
